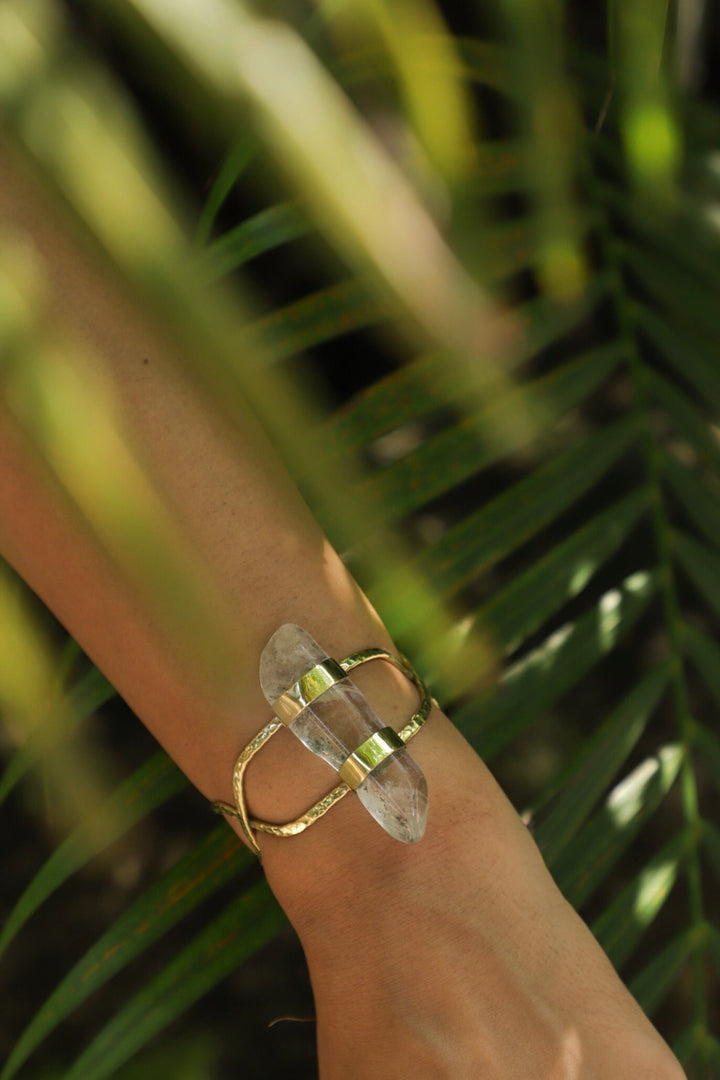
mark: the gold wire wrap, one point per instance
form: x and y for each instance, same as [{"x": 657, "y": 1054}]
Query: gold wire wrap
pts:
[{"x": 364, "y": 754}]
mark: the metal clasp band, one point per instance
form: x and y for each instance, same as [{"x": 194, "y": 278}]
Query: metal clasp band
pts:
[
  {"x": 357, "y": 766},
  {"x": 307, "y": 689}
]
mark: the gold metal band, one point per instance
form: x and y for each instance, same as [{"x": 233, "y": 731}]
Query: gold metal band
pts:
[
  {"x": 358, "y": 765},
  {"x": 291, "y": 828},
  {"x": 312, "y": 684}
]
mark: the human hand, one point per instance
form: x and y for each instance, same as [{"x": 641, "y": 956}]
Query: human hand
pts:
[{"x": 457, "y": 958}]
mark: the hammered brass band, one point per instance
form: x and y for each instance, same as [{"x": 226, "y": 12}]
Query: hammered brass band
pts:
[
  {"x": 291, "y": 828},
  {"x": 309, "y": 687},
  {"x": 358, "y": 765}
]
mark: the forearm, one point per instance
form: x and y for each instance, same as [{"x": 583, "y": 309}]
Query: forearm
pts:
[
  {"x": 233, "y": 500},
  {"x": 344, "y": 874}
]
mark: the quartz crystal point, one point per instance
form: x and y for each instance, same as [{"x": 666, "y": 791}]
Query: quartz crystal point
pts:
[{"x": 336, "y": 723}]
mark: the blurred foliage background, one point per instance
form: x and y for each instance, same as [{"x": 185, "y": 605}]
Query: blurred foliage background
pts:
[{"x": 463, "y": 260}]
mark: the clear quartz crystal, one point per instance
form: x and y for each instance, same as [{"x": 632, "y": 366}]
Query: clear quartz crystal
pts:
[{"x": 336, "y": 723}]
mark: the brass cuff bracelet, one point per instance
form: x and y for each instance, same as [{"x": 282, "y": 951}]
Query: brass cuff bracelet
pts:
[{"x": 357, "y": 766}]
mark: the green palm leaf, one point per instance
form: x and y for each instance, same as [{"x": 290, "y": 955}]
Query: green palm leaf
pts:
[
  {"x": 325, "y": 315},
  {"x": 688, "y": 421},
  {"x": 243, "y": 927},
  {"x": 536, "y": 682},
  {"x": 216, "y": 860},
  {"x": 419, "y": 387},
  {"x": 150, "y": 786},
  {"x": 261, "y": 233},
  {"x": 619, "y": 932},
  {"x": 654, "y": 982},
  {"x": 599, "y": 761},
  {"x": 493, "y": 532},
  {"x": 590, "y": 856},
  {"x": 701, "y": 565},
  {"x": 533, "y": 596},
  {"x": 560, "y": 498},
  {"x": 445, "y": 460},
  {"x": 697, "y": 498}
]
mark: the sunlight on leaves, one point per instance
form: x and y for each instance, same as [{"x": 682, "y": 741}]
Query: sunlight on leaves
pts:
[
  {"x": 580, "y": 577},
  {"x": 610, "y": 618},
  {"x": 610, "y": 609},
  {"x": 626, "y": 799},
  {"x": 650, "y": 131},
  {"x": 653, "y": 141},
  {"x": 653, "y": 886}
]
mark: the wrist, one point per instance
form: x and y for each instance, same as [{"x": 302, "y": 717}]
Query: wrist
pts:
[
  {"x": 313, "y": 868},
  {"x": 344, "y": 874},
  {"x": 328, "y": 877}
]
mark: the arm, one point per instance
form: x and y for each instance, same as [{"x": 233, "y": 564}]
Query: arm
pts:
[{"x": 458, "y": 955}]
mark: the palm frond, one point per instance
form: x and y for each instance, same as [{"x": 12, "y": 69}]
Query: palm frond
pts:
[
  {"x": 564, "y": 507},
  {"x": 218, "y": 859}
]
